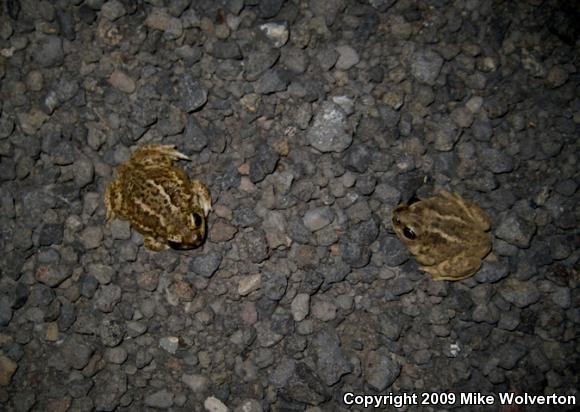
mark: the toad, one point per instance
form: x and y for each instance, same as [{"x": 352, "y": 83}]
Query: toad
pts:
[
  {"x": 158, "y": 199},
  {"x": 446, "y": 233}
]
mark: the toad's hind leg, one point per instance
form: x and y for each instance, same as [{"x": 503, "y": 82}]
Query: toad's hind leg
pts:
[
  {"x": 112, "y": 199},
  {"x": 154, "y": 244},
  {"x": 202, "y": 196},
  {"x": 457, "y": 268},
  {"x": 157, "y": 155}
]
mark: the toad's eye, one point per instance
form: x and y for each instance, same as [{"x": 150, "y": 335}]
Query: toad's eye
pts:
[
  {"x": 197, "y": 219},
  {"x": 409, "y": 234}
]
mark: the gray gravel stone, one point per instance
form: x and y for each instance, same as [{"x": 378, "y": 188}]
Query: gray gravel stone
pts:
[
  {"x": 112, "y": 10},
  {"x": 5, "y": 311},
  {"x": 400, "y": 286},
  {"x": 169, "y": 344},
  {"x": 327, "y": 58},
  {"x": 380, "y": 370},
  {"x": 354, "y": 254},
  {"x": 276, "y": 32},
  {"x": 112, "y": 332},
  {"x": 263, "y": 164},
  {"x": 331, "y": 361},
  {"x": 103, "y": 273},
  {"x": 158, "y": 19},
  {"x": 49, "y": 52},
  {"x": 323, "y": 310},
  {"x": 52, "y": 275},
  {"x": 516, "y": 231},
  {"x": 426, "y": 66},
  {"x": 328, "y": 9},
  {"x": 300, "y": 306},
  {"x": 272, "y": 80},
  {"x": 521, "y": 294},
  {"x": 249, "y": 405},
  {"x": 213, "y": 404},
  {"x": 122, "y": 82},
  {"x": 162, "y": 399},
  {"x": 116, "y": 355},
  {"x": 496, "y": 161},
  {"x": 347, "y": 57},
  {"x": 91, "y": 237},
  {"x": 330, "y": 131},
  {"x": 206, "y": 265},
  {"x": 110, "y": 385},
  {"x": 274, "y": 284},
  {"x": 107, "y": 297},
  {"x": 197, "y": 383},
  {"x": 192, "y": 94},
  {"x": 510, "y": 354},
  {"x": 76, "y": 353},
  {"x": 492, "y": 272},
  {"x": 51, "y": 234},
  {"x": 316, "y": 219},
  {"x": 226, "y": 50}
]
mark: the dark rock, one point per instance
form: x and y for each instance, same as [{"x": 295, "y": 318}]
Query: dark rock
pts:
[
  {"x": 49, "y": 52},
  {"x": 110, "y": 385},
  {"x": 426, "y": 65},
  {"x": 332, "y": 272},
  {"x": 5, "y": 311},
  {"x": 380, "y": 370},
  {"x": 304, "y": 386},
  {"x": 492, "y": 272},
  {"x": 328, "y": 10},
  {"x": 245, "y": 217},
  {"x": 258, "y": 62},
  {"x": 226, "y": 50},
  {"x": 206, "y": 265},
  {"x": 255, "y": 246},
  {"x": 393, "y": 251},
  {"x": 400, "y": 286},
  {"x": 66, "y": 23},
  {"x": 192, "y": 93},
  {"x": 354, "y": 254},
  {"x": 270, "y": 8},
  {"x": 162, "y": 399},
  {"x": 358, "y": 158},
  {"x": 76, "y": 353},
  {"x": 365, "y": 232},
  {"x": 88, "y": 286},
  {"x": 496, "y": 161},
  {"x": 263, "y": 163},
  {"x": 515, "y": 230},
  {"x": 510, "y": 354},
  {"x": 521, "y": 294},
  {"x": 274, "y": 284},
  {"x": 567, "y": 187},
  {"x": 273, "y": 80},
  {"x": 112, "y": 332},
  {"x": 52, "y": 275},
  {"x": 51, "y": 234},
  {"x": 107, "y": 297},
  {"x": 194, "y": 136},
  {"x": 327, "y": 58},
  {"x": 68, "y": 315},
  {"x": 331, "y": 361}
]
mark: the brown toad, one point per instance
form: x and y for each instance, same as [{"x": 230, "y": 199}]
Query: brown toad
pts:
[
  {"x": 159, "y": 199},
  {"x": 446, "y": 234}
]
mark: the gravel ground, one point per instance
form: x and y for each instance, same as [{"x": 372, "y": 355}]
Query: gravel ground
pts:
[{"x": 309, "y": 121}]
